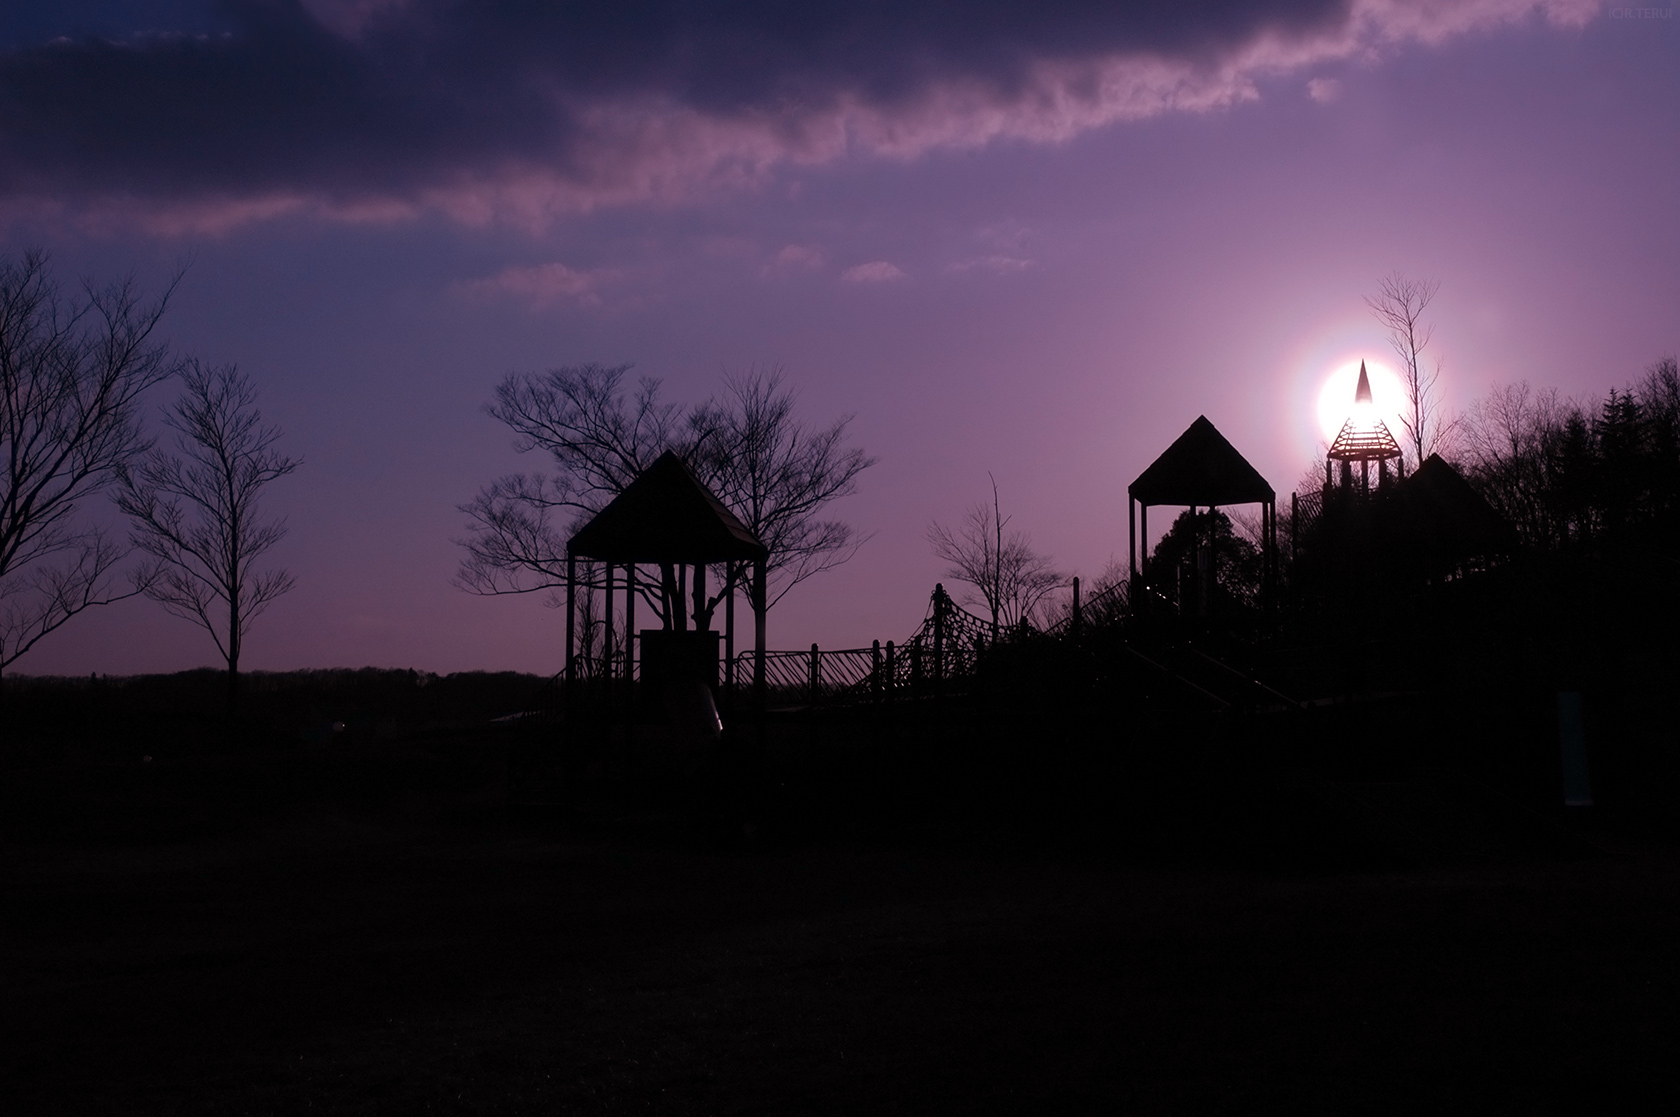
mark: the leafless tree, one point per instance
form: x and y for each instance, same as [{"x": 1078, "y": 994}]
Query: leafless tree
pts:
[
  {"x": 769, "y": 467},
  {"x": 1008, "y": 578},
  {"x": 72, "y": 374},
  {"x": 776, "y": 473},
  {"x": 1399, "y": 305},
  {"x": 196, "y": 511},
  {"x": 599, "y": 436}
]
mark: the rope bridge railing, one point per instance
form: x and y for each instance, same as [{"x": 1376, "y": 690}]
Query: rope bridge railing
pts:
[
  {"x": 939, "y": 657},
  {"x": 942, "y": 656}
]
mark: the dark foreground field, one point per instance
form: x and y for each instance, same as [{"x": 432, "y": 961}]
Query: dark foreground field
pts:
[{"x": 499, "y": 956}]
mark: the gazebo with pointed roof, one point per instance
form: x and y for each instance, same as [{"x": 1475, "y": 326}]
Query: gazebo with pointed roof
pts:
[
  {"x": 665, "y": 516},
  {"x": 1200, "y": 469},
  {"x": 1363, "y": 439}
]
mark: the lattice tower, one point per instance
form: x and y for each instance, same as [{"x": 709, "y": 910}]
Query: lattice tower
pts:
[{"x": 1367, "y": 441}]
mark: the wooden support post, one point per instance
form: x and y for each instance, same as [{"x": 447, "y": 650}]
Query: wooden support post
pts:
[
  {"x": 607, "y": 637},
  {"x": 1269, "y": 559},
  {"x": 816, "y": 675},
  {"x": 1075, "y": 618},
  {"x": 1208, "y": 579},
  {"x": 680, "y": 609},
  {"x": 1143, "y": 558},
  {"x": 760, "y": 597},
  {"x": 938, "y": 640},
  {"x": 730, "y": 571},
  {"x": 571, "y": 622},
  {"x": 1131, "y": 544},
  {"x": 699, "y": 594},
  {"x": 566, "y": 715},
  {"x": 892, "y": 670},
  {"x": 875, "y": 671},
  {"x": 1271, "y": 553},
  {"x": 629, "y": 654},
  {"x": 630, "y": 623}
]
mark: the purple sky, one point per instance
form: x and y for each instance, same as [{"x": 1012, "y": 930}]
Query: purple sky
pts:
[{"x": 1034, "y": 239}]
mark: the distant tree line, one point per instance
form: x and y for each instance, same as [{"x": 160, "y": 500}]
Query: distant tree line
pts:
[{"x": 1568, "y": 473}]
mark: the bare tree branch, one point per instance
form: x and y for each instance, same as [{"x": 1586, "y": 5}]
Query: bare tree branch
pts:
[
  {"x": 767, "y": 466},
  {"x": 72, "y": 374},
  {"x": 775, "y": 473},
  {"x": 1399, "y": 305},
  {"x": 38, "y": 604},
  {"x": 1008, "y": 578},
  {"x": 196, "y": 511}
]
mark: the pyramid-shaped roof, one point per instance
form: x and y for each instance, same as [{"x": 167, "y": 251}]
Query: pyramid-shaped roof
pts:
[
  {"x": 1201, "y": 468},
  {"x": 1444, "y": 513},
  {"x": 1356, "y": 443},
  {"x": 1363, "y": 444},
  {"x": 665, "y": 515}
]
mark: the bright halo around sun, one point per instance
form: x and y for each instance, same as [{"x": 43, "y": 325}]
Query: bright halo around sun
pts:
[{"x": 1335, "y": 398}]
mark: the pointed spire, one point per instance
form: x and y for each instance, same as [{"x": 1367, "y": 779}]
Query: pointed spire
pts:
[{"x": 1362, "y": 394}]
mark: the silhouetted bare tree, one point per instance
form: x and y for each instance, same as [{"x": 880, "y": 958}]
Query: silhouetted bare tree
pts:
[
  {"x": 769, "y": 467},
  {"x": 196, "y": 511},
  {"x": 1007, "y": 575},
  {"x": 72, "y": 373},
  {"x": 598, "y": 436},
  {"x": 1399, "y": 305},
  {"x": 776, "y": 473}
]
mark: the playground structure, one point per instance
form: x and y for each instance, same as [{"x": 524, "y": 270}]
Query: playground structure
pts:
[
  {"x": 669, "y": 520},
  {"x": 1201, "y": 469}
]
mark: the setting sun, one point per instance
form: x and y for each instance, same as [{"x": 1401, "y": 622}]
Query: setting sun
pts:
[{"x": 1335, "y": 398}]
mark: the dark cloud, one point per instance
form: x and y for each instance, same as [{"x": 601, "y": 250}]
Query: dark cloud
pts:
[
  {"x": 363, "y": 104},
  {"x": 743, "y": 54}
]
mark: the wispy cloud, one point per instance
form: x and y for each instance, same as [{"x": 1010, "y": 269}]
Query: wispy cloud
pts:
[
  {"x": 795, "y": 258},
  {"x": 518, "y": 112},
  {"x": 542, "y": 285},
  {"x": 876, "y": 271},
  {"x": 1326, "y": 91},
  {"x": 996, "y": 265}
]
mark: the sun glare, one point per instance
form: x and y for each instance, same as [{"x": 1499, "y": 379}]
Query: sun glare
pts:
[{"x": 1335, "y": 398}]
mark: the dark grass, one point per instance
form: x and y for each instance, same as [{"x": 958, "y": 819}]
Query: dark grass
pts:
[
  {"x": 355, "y": 966},
  {"x": 964, "y": 910}
]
